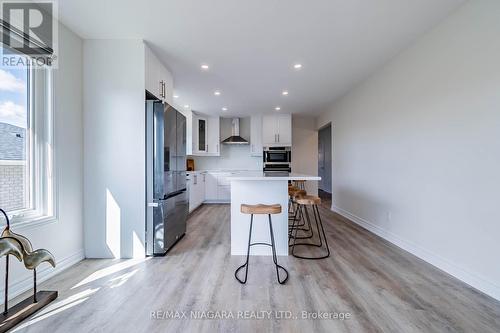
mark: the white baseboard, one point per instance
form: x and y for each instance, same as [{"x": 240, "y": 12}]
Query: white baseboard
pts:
[
  {"x": 43, "y": 274},
  {"x": 470, "y": 278}
]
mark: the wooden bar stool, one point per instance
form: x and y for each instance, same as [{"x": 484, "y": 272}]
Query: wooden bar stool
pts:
[
  {"x": 292, "y": 190},
  {"x": 301, "y": 184},
  {"x": 261, "y": 209},
  {"x": 298, "y": 220},
  {"x": 295, "y": 211},
  {"x": 313, "y": 202}
]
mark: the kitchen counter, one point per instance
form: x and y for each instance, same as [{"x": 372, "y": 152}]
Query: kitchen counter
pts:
[
  {"x": 258, "y": 175},
  {"x": 254, "y": 187}
]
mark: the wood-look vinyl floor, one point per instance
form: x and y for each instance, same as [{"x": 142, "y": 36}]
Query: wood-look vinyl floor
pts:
[{"x": 383, "y": 288}]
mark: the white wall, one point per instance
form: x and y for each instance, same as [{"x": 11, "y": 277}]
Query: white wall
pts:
[
  {"x": 232, "y": 157},
  {"x": 417, "y": 148},
  {"x": 114, "y": 148},
  {"x": 305, "y": 149},
  {"x": 64, "y": 237}
]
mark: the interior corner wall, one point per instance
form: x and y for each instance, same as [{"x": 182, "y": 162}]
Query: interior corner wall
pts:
[
  {"x": 416, "y": 148},
  {"x": 305, "y": 149},
  {"x": 114, "y": 148}
]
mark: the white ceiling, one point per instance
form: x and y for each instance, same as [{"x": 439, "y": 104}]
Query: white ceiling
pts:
[{"x": 251, "y": 45}]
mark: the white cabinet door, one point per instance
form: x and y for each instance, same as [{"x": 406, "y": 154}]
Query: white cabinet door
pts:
[
  {"x": 269, "y": 130},
  {"x": 202, "y": 187},
  {"x": 153, "y": 74},
  {"x": 224, "y": 193},
  {"x": 256, "y": 135},
  {"x": 284, "y": 122},
  {"x": 213, "y": 137},
  {"x": 194, "y": 191},
  {"x": 191, "y": 193},
  {"x": 211, "y": 187},
  {"x": 168, "y": 86}
]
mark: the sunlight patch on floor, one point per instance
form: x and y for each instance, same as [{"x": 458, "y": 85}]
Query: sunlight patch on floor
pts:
[
  {"x": 124, "y": 264},
  {"x": 58, "y": 307}
]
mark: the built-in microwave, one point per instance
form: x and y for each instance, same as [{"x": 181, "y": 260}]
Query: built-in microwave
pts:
[{"x": 277, "y": 155}]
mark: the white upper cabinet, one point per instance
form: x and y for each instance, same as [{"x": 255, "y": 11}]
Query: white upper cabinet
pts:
[
  {"x": 159, "y": 80},
  {"x": 206, "y": 135},
  {"x": 284, "y": 129},
  {"x": 277, "y": 130},
  {"x": 200, "y": 135},
  {"x": 269, "y": 130},
  {"x": 256, "y": 135},
  {"x": 213, "y": 136}
]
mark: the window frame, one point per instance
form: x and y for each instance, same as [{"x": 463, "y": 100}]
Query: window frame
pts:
[{"x": 42, "y": 204}]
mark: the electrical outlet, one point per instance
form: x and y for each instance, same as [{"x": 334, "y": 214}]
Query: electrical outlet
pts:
[{"x": 389, "y": 216}]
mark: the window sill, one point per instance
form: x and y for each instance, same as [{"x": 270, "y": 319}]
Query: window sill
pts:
[{"x": 32, "y": 223}]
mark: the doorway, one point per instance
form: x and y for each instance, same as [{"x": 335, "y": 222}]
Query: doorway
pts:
[{"x": 325, "y": 162}]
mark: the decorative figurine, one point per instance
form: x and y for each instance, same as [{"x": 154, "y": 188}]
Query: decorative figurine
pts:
[
  {"x": 31, "y": 258},
  {"x": 20, "y": 247}
]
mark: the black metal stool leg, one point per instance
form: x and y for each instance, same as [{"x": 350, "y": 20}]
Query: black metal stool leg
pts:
[
  {"x": 275, "y": 259},
  {"x": 248, "y": 256},
  {"x": 322, "y": 230},
  {"x": 321, "y": 234},
  {"x": 299, "y": 226}
]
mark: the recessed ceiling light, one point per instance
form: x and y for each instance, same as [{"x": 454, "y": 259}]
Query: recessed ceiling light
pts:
[
  {"x": 277, "y": 108},
  {"x": 176, "y": 96},
  {"x": 285, "y": 93},
  {"x": 205, "y": 67},
  {"x": 186, "y": 106},
  {"x": 297, "y": 66},
  {"x": 224, "y": 109},
  {"x": 217, "y": 93}
]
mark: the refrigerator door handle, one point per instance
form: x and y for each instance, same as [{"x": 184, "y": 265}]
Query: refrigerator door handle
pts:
[{"x": 173, "y": 194}]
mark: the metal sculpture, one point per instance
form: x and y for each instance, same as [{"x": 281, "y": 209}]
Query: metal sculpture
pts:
[
  {"x": 20, "y": 247},
  {"x": 31, "y": 258},
  {"x": 9, "y": 246}
]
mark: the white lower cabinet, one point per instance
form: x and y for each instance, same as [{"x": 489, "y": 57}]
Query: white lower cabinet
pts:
[
  {"x": 218, "y": 187},
  {"x": 196, "y": 189},
  {"x": 211, "y": 187},
  {"x": 224, "y": 193}
]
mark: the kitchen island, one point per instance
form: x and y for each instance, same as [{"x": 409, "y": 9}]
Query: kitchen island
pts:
[{"x": 258, "y": 188}]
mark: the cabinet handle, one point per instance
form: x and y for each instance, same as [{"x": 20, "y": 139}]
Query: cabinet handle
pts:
[
  {"x": 278, "y": 138},
  {"x": 195, "y": 179},
  {"x": 161, "y": 89}
]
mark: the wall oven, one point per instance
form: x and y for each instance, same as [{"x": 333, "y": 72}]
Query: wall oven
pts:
[
  {"x": 277, "y": 155},
  {"x": 277, "y": 159}
]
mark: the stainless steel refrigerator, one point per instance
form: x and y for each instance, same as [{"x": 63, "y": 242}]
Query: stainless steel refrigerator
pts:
[{"x": 166, "y": 195}]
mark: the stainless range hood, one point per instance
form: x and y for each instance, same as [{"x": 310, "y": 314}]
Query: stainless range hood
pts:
[{"x": 235, "y": 138}]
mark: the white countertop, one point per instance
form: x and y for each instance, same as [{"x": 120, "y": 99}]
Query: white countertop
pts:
[
  {"x": 232, "y": 171},
  {"x": 259, "y": 175}
]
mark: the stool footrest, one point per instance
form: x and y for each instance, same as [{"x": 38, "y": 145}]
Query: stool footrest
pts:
[{"x": 267, "y": 244}]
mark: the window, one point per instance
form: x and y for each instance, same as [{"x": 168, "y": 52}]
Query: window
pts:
[{"x": 26, "y": 180}]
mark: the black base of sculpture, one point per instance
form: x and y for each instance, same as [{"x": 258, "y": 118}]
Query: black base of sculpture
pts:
[{"x": 24, "y": 309}]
